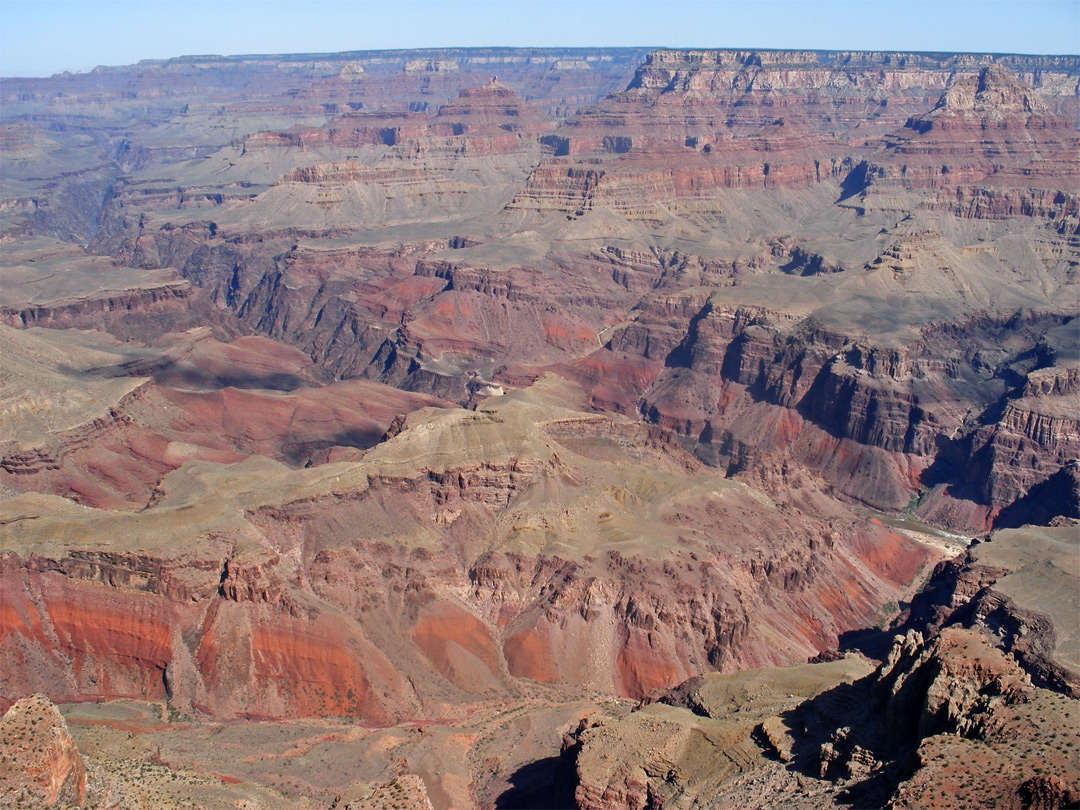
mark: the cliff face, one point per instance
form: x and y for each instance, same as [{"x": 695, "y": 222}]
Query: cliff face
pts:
[
  {"x": 688, "y": 316},
  {"x": 677, "y": 224},
  {"x": 506, "y": 543},
  {"x": 693, "y": 123},
  {"x": 963, "y": 154}
]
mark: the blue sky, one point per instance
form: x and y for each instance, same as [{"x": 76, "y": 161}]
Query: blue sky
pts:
[{"x": 40, "y": 37}]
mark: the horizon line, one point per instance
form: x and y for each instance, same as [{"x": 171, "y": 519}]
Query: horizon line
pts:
[{"x": 580, "y": 48}]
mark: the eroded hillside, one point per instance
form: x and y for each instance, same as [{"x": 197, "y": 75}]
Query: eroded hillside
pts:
[{"x": 487, "y": 427}]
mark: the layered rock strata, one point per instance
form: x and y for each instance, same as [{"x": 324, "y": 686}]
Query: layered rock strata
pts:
[{"x": 518, "y": 541}]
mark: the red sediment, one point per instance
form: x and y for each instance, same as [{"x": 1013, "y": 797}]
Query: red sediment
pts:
[{"x": 528, "y": 655}]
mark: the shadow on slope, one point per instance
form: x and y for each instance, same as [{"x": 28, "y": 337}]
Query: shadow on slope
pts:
[{"x": 546, "y": 784}]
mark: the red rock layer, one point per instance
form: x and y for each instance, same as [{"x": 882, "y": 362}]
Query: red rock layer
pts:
[
  {"x": 318, "y": 605},
  {"x": 118, "y": 461}
]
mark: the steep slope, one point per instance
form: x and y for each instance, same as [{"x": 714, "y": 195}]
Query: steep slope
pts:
[
  {"x": 666, "y": 249},
  {"x": 39, "y": 762},
  {"x": 391, "y": 418},
  {"x": 519, "y": 540},
  {"x": 1017, "y": 587}
]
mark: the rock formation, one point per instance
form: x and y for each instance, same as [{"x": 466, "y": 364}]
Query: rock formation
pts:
[
  {"x": 946, "y": 722},
  {"x": 369, "y": 408},
  {"x": 39, "y": 763},
  {"x": 564, "y": 532},
  {"x": 707, "y": 318},
  {"x": 1018, "y": 587}
]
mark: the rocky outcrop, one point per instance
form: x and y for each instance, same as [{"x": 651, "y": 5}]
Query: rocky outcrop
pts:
[
  {"x": 39, "y": 763},
  {"x": 932, "y": 696},
  {"x": 937, "y": 724},
  {"x": 405, "y": 792},
  {"x": 685, "y": 747},
  {"x": 1017, "y": 586}
]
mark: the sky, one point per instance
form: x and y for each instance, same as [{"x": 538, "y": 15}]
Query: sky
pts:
[{"x": 42, "y": 37}]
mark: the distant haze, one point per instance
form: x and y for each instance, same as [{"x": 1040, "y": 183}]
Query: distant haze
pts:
[{"x": 41, "y": 37}]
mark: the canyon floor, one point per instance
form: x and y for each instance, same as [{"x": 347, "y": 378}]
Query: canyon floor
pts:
[{"x": 672, "y": 429}]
